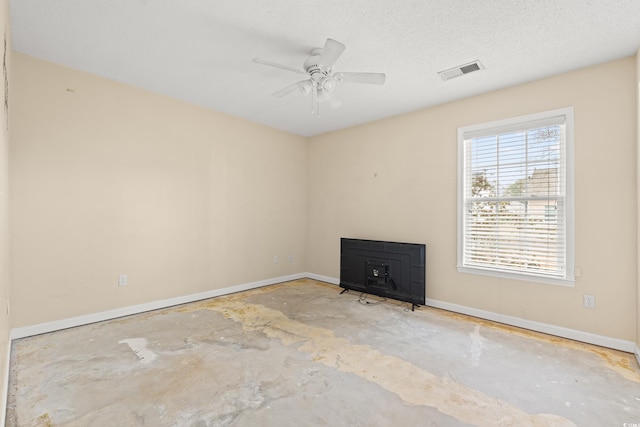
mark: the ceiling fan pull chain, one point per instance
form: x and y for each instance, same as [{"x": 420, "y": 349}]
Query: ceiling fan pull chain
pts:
[{"x": 315, "y": 107}]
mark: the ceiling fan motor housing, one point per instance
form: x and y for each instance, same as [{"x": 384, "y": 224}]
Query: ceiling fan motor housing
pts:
[
  {"x": 313, "y": 66},
  {"x": 318, "y": 73}
]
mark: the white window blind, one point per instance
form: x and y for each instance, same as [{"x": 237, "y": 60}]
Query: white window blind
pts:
[{"x": 516, "y": 197}]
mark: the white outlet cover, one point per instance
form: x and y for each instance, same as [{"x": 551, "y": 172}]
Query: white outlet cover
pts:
[{"x": 589, "y": 301}]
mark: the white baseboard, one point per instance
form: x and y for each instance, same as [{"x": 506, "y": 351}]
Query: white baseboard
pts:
[
  {"x": 326, "y": 279},
  {"x": 614, "y": 343},
  {"x": 587, "y": 337},
  {"x": 56, "y": 325}
]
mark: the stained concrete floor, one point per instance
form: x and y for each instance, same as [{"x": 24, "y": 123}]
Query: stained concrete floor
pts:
[{"x": 300, "y": 354}]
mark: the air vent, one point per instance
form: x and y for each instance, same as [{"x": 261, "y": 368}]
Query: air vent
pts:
[{"x": 461, "y": 70}]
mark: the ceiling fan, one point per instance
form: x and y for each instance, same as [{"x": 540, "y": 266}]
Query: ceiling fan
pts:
[{"x": 321, "y": 81}]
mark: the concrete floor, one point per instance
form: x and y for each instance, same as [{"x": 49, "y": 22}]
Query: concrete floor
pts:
[{"x": 300, "y": 354}]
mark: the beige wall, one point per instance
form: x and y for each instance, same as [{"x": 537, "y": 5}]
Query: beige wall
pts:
[
  {"x": 4, "y": 231},
  {"x": 638, "y": 200},
  {"x": 109, "y": 179},
  {"x": 395, "y": 179}
]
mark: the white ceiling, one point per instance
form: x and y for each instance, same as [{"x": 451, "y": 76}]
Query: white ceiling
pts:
[{"x": 201, "y": 51}]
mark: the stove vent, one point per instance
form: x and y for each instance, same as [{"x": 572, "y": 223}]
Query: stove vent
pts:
[{"x": 461, "y": 70}]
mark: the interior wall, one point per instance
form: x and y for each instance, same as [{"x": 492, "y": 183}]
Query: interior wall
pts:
[
  {"x": 107, "y": 179},
  {"x": 638, "y": 208},
  {"x": 4, "y": 200},
  {"x": 395, "y": 179}
]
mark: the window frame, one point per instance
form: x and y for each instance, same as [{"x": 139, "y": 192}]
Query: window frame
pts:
[{"x": 509, "y": 124}]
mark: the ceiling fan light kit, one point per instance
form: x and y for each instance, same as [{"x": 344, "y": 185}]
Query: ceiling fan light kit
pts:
[{"x": 321, "y": 82}]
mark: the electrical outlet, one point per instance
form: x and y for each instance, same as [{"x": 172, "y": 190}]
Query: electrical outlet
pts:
[
  {"x": 275, "y": 259},
  {"x": 290, "y": 258},
  {"x": 122, "y": 280},
  {"x": 589, "y": 301}
]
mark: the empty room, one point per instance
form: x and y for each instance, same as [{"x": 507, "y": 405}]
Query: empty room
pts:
[{"x": 296, "y": 213}]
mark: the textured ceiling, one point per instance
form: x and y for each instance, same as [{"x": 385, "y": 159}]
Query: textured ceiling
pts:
[{"x": 201, "y": 51}]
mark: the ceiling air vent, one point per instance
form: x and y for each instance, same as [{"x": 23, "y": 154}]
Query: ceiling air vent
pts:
[{"x": 460, "y": 70}]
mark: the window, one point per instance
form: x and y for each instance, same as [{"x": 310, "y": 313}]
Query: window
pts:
[{"x": 515, "y": 198}]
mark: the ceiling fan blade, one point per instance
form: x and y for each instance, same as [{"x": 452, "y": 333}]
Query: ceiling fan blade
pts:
[
  {"x": 287, "y": 90},
  {"x": 276, "y": 65},
  {"x": 370, "y": 78},
  {"x": 331, "y": 52}
]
